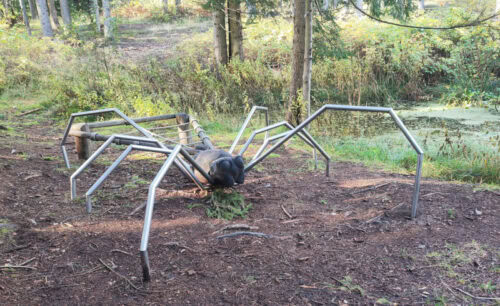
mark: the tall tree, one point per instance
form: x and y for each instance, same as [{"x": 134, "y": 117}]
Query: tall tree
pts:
[
  {"x": 421, "y": 4},
  {"x": 25, "y": 17},
  {"x": 165, "y": 6},
  {"x": 359, "y": 3},
  {"x": 235, "y": 29},
  {"x": 97, "y": 14},
  {"x": 43, "y": 12},
  {"x": 220, "y": 45},
  {"x": 293, "y": 110},
  {"x": 178, "y": 4},
  {"x": 34, "y": 14},
  {"x": 108, "y": 26},
  {"x": 308, "y": 42},
  {"x": 65, "y": 12},
  {"x": 53, "y": 14}
]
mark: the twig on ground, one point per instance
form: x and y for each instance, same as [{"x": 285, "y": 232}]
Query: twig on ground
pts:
[
  {"x": 286, "y": 212},
  {"x": 478, "y": 297},
  {"x": 369, "y": 188},
  {"x": 120, "y": 251},
  {"x": 432, "y": 193},
  {"x": 24, "y": 263},
  {"x": 235, "y": 234},
  {"x": 29, "y": 112},
  {"x": 380, "y": 216},
  {"x": 21, "y": 247},
  {"x": 17, "y": 267},
  {"x": 137, "y": 209},
  {"x": 177, "y": 245},
  {"x": 291, "y": 221},
  {"x": 355, "y": 228},
  {"x": 119, "y": 275},
  {"x": 238, "y": 226}
]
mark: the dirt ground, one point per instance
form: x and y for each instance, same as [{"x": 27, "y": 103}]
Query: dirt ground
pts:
[{"x": 343, "y": 239}]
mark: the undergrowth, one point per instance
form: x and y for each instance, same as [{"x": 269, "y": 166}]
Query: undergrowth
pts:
[{"x": 227, "y": 205}]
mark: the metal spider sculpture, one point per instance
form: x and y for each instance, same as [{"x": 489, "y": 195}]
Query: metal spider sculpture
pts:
[{"x": 210, "y": 167}]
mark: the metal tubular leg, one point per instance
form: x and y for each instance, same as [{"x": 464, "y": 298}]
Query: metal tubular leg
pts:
[
  {"x": 244, "y": 126},
  {"x": 396, "y": 119},
  {"x": 146, "y": 269},
  {"x": 88, "y": 195},
  {"x": 416, "y": 191},
  {"x": 86, "y": 164}
]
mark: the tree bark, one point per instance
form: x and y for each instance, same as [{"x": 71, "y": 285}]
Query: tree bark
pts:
[
  {"x": 66, "y": 13},
  {"x": 297, "y": 60},
  {"x": 220, "y": 45},
  {"x": 326, "y": 5},
  {"x": 43, "y": 12},
  {"x": 177, "y": 3},
  {"x": 25, "y": 17},
  {"x": 421, "y": 4},
  {"x": 359, "y": 3},
  {"x": 235, "y": 30},
  {"x": 53, "y": 14},
  {"x": 108, "y": 27},
  {"x": 97, "y": 14},
  {"x": 33, "y": 12},
  {"x": 306, "y": 79},
  {"x": 165, "y": 6},
  {"x": 497, "y": 9}
]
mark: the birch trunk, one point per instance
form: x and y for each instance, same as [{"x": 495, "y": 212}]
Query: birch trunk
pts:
[
  {"x": 306, "y": 80},
  {"x": 33, "y": 12},
  {"x": 53, "y": 14},
  {"x": 108, "y": 27},
  {"x": 359, "y": 3},
  {"x": 43, "y": 12},
  {"x": 220, "y": 45},
  {"x": 97, "y": 13},
  {"x": 25, "y": 17},
  {"x": 66, "y": 13},
  {"x": 326, "y": 5},
  {"x": 421, "y": 4},
  {"x": 235, "y": 30},
  {"x": 165, "y": 6},
  {"x": 297, "y": 59}
]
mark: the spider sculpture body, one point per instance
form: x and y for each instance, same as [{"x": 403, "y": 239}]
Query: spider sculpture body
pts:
[{"x": 211, "y": 167}]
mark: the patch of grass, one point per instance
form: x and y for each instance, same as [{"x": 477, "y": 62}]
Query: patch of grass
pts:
[
  {"x": 348, "y": 286},
  {"x": 135, "y": 182},
  {"x": 227, "y": 205},
  {"x": 454, "y": 257}
]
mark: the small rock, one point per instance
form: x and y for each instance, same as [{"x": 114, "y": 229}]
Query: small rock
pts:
[
  {"x": 191, "y": 272},
  {"x": 421, "y": 246},
  {"x": 13, "y": 151},
  {"x": 478, "y": 212},
  {"x": 32, "y": 221}
]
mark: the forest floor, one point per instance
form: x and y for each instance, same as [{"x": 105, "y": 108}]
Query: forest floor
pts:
[{"x": 341, "y": 239}]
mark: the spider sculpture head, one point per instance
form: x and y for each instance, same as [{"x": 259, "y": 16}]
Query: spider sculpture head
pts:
[{"x": 224, "y": 169}]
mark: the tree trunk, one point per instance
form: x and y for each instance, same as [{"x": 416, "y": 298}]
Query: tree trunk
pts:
[
  {"x": 66, "y": 13},
  {"x": 359, "y": 3},
  {"x": 43, "y": 12},
  {"x": 33, "y": 12},
  {"x": 297, "y": 60},
  {"x": 306, "y": 79},
  {"x": 53, "y": 14},
  {"x": 177, "y": 4},
  {"x": 421, "y": 4},
  {"x": 326, "y": 5},
  {"x": 165, "y": 6},
  {"x": 497, "y": 9},
  {"x": 108, "y": 27},
  {"x": 220, "y": 46},
  {"x": 97, "y": 13},
  {"x": 235, "y": 30},
  {"x": 25, "y": 17}
]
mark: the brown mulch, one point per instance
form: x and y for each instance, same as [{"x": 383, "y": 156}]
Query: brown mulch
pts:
[{"x": 343, "y": 239}]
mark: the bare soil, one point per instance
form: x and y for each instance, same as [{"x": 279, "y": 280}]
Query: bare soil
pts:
[{"x": 343, "y": 239}]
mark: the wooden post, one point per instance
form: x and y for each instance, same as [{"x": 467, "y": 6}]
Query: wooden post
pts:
[
  {"x": 82, "y": 144},
  {"x": 185, "y": 136}
]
